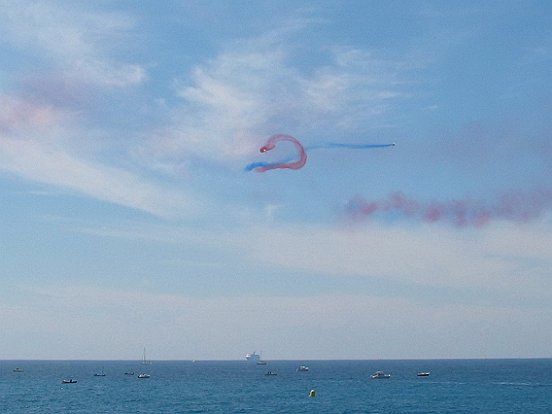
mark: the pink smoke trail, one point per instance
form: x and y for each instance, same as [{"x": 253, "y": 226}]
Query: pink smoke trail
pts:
[
  {"x": 16, "y": 113},
  {"x": 515, "y": 206},
  {"x": 270, "y": 145}
]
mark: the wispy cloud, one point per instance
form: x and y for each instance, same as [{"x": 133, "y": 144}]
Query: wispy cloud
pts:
[
  {"x": 34, "y": 144},
  {"x": 49, "y": 165},
  {"x": 70, "y": 52},
  {"x": 67, "y": 39}
]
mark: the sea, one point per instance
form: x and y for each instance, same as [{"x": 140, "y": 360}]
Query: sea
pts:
[{"x": 453, "y": 386}]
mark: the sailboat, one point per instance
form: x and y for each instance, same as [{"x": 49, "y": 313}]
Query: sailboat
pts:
[{"x": 144, "y": 360}]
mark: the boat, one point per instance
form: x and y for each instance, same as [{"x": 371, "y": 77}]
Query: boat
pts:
[
  {"x": 253, "y": 357},
  {"x": 380, "y": 375},
  {"x": 423, "y": 374},
  {"x": 144, "y": 360},
  {"x": 100, "y": 374},
  {"x": 141, "y": 376},
  {"x": 271, "y": 374},
  {"x": 302, "y": 368},
  {"x": 17, "y": 370},
  {"x": 69, "y": 381}
]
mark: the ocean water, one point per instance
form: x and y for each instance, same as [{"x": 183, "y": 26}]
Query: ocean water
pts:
[{"x": 454, "y": 386}]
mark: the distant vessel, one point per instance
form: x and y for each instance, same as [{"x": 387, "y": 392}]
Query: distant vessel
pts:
[
  {"x": 303, "y": 368},
  {"x": 144, "y": 360},
  {"x": 69, "y": 381},
  {"x": 253, "y": 357},
  {"x": 18, "y": 370},
  {"x": 141, "y": 376},
  {"x": 380, "y": 375},
  {"x": 423, "y": 374},
  {"x": 271, "y": 374},
  {"x": 100, "y": 374}
]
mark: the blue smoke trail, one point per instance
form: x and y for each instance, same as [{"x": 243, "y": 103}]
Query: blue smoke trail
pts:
[
  {"x": 330, "y": 145},
  {"x": 254, "y": 165},
  {"x": 262, "y": 164},
  {"x": 273, "y": 140}
]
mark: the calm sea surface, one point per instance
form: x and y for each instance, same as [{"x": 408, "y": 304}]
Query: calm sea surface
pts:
[{"x": 454, "y": 386}]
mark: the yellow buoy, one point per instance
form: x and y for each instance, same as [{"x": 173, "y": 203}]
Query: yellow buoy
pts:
[{"x": 312, "y": 393}]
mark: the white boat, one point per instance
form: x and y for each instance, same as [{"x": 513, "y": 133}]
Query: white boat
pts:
[
  {"x": 144, "y": 362},
  {"x": 17, "y": 370},
  {"x": 271, "y": 374},
  {"x": 253, "y": 357},
  {"x": 423, "y": 374},
  {"x": 100, "y": 374},
  {"x": 69, "y": 381},
  {"x": 380, "y": 375},
  {"x": 302, "y": 368}
]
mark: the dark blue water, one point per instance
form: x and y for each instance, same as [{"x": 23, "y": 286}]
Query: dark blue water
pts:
[{"x": 454, "y": 386}]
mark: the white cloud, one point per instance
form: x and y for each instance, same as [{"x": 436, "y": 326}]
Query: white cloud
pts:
[
  {"x": 71, "y": 41},
  {"x": 50, "y": 165},
  {"x": 108, "y": 74},
  {"x": 34, "y": 144}
]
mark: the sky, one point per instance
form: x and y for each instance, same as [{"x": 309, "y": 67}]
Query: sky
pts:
[{"x": 129, "y": 219}]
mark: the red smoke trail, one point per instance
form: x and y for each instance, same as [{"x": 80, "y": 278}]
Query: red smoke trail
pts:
[
  {"x": 270, "y": 145},
  {"x": 516, "y": 207},
  {"x": 301, "y": 152}
]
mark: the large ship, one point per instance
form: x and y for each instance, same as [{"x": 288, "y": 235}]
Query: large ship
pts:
[{"x": 253, "y": 357}]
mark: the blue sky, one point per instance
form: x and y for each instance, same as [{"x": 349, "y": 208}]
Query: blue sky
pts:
[{"x": 128, "y": 220}]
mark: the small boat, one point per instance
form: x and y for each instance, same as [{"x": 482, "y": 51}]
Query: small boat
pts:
[
  {"x": 261, "y": 362},
  {"x": 100, "y": 374},
  {"x": 271, "y": 374},
  {"x": 423, "y": 374},
  {"x": 302, "y": 368},
  {"x": 380, "y": 375},
  {"x": 141, "y": 376},
  {"x": 18, "y": 370},
  {"x": 69, "y": 381}
]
